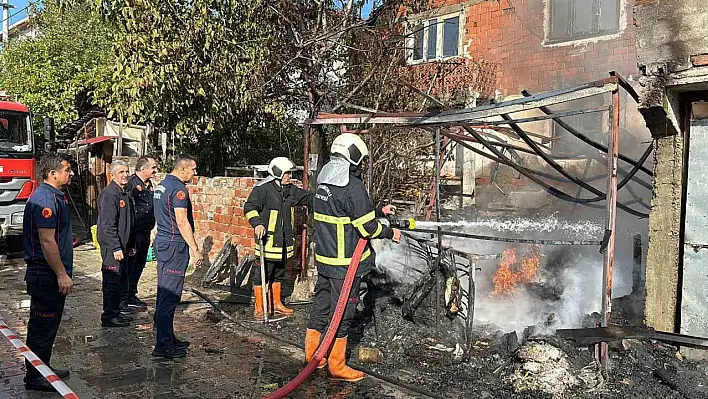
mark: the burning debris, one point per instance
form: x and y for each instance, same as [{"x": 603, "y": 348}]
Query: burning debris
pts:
[{"x": 506, "y": 278}]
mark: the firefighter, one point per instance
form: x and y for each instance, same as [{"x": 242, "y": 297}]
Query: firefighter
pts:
[
  {"x": 343, "y": 214},
  {"x": 174, "y": 239},
  {"x": 49, "y": 255},
  {"x": 270, "y": 211},
  {"x": 141, "y": 189},
  {"x": 115, "y": 236}
]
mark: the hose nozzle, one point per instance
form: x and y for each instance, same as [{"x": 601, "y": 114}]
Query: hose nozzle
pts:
[{"x": 408, "y": 224}]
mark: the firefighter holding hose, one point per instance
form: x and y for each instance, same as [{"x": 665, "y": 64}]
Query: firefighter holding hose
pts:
[
  {"x": 343, "y": 214},
  {"x": 270, "y": 211}
]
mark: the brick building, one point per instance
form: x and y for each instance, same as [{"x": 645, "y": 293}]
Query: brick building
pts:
[{"x": 538, "y": 45}]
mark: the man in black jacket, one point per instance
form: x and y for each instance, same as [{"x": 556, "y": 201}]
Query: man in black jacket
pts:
[
  {"x": 115, "y": 236},
  {"x": 140, "y": 187},
  {"x": 269, "y": 210},
  {"x": 343, "y": 215}
]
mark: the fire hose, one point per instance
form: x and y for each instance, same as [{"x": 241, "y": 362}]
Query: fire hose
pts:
[{"x": 331, "y": 331}]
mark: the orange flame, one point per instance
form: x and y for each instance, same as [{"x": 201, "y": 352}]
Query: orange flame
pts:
[{"x": 505, "y": 278}]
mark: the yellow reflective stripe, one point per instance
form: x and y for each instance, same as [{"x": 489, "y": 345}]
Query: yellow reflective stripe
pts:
[
  {"x": 339, "y": 261},
  {"x": 321, "y": 217},
  {"x": 378, "y": 231},
  {"x": 364, "y": 219},
  {"x": 341, "y": 253},
  {"x": 363, "y": 231},
  {"x": 273, "y": 220},
  {"x": 251, "y": 215}
]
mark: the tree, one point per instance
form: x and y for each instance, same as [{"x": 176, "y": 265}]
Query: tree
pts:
[{"x": 62, "y": 72}]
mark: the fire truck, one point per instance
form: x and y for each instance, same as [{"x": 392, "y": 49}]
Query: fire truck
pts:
[{"x": 17, "y": 167}]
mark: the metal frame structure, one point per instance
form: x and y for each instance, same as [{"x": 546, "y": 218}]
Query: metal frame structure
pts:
[{"x": 473, "y": 120}]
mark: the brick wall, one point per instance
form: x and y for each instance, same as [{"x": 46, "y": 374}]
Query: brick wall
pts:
[
  {"x": 218, "y": 212},
  {"x": 513, "y": 34}
]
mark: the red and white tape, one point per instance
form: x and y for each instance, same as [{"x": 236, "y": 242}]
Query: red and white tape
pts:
[{"x": 47, "y": 372}]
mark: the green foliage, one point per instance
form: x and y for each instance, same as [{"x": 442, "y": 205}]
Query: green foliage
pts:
[
  {"x": 58, "y": 73},
  {"x": 192, "y": 66}
]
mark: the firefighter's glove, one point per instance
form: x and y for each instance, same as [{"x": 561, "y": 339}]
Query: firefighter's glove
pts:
[
  {"x": 259, "y": 231},
  {"x": 396, "y": 236},
  {"x": 389, "y": 210}
]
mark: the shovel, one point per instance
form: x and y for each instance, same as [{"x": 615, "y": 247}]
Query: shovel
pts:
[{"x": 264, "y": 283}]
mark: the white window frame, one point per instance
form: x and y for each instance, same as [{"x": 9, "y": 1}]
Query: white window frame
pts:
[
  {"x": 439, "y": 42},
  {"x": 575, "y": 40}
]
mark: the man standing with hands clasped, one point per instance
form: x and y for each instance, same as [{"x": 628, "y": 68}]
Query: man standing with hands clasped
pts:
[
  {"x": 49, "y": 255},
  {"x": 175, "y": 237},
  {"x": 115, "y": 236}
]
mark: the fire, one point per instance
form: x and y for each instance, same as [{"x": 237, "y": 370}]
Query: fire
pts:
[{"x": 506, "y": 278}]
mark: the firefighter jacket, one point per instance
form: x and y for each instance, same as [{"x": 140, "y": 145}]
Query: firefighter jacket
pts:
[
  {"x": 142, "y": 193},
  {"x": 115, "y": 218},
  {"x": 271, "y": 205},
  {"x": 343, "y": 214}
]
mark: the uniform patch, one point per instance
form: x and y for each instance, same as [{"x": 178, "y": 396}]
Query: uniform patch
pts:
[
  {"x": 47, "y": 213},
  {"x": 122, "y": 204},
  {"x": 181, "y": 195},
  {"x": 139, "y": 187}
]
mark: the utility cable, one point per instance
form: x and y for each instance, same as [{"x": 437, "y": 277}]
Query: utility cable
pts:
[
  {"x": 585, "y": 138},
  {"x": 549, "y": 189}
]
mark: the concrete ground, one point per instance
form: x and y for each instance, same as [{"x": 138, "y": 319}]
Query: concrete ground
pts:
[{"x": 116, "y": 363}]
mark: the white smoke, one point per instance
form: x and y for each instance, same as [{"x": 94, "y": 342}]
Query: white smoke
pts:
[{"x": 579, "y": 284}]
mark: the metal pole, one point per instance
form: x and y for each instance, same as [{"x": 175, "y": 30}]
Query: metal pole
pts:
[
  {"x": 610, "y": 220},
  {"x": 5, "y": 22},
  {"x": 637, "y": 272},
  {"x": 471, "y": 288},
  {"x": 306, "y": 186},
  {"x": 437, "y": 219},
  {"x": 371, "y": 169},
  {"x": 264, "y": 281}
]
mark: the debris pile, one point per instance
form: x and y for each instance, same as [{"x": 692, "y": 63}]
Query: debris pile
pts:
[{"x": 543, "y": 367}]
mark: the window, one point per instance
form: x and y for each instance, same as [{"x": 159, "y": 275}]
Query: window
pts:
[
  {"x": 434, "y": 39},
  {"x": 579, "y": 19}
]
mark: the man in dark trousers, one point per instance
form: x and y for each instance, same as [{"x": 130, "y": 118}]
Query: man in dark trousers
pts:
[
  {"x": 175, "y": 237},
  {"x": 115, "y": 236},
  {"x": 343, "y": 215},
  {"x": 141, "y": 189},
  {"x": 49, "y": 255},
  {"x": 271, "y": 204}
]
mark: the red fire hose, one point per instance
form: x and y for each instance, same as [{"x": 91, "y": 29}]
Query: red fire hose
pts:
[{"x": 331, "y": 331}]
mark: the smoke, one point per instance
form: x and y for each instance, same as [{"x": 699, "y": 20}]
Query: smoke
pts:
[{"x": 568, "y": 289}]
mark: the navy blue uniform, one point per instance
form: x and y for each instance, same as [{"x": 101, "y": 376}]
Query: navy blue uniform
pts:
[
  {"x": 115, "y": 233},
  {"x": 142, "y": 192},
  {"x": 172, "y": 255},
  {"x": 46, "y": 208}
]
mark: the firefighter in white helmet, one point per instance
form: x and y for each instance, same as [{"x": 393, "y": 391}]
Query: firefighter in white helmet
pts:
[
  {"x": 270, "y": 211},
  {"x": 343, "y": 214}
]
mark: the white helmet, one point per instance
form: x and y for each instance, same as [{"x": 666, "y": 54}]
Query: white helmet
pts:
[
  {"x": 280, "y": 166},
  {"x": 351, "y": 147}
]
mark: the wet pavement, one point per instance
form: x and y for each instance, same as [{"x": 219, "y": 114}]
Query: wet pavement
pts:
[{"x": 116, "y": 363}]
